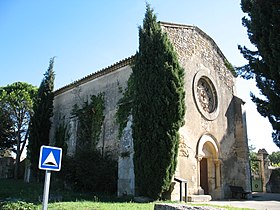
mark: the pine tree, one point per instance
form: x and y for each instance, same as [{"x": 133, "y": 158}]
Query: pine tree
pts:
[
  {"x": 40, "y": 122},
  {"x": 158, "y": 109},
  {"x": 263, "y": 27}
]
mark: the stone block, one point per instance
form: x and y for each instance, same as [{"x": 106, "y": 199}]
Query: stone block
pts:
[{"x": 199, "y": 198}]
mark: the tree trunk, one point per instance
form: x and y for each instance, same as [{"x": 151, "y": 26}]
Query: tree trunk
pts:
[{"x": 17, "y": 157}]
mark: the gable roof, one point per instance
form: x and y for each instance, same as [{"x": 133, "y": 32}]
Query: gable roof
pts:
[
  {"x": 99, "y": 73},
  {"x": 129, "y": 60},
  {"x": 198, "y": 30}
]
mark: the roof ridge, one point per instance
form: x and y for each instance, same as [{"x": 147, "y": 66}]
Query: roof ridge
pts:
[
  {"x": 94, "y": 75},
  {"x": 176, "y": 24}
]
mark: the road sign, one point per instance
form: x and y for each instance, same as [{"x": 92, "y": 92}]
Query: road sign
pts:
[{"x": 50, "y": 158}]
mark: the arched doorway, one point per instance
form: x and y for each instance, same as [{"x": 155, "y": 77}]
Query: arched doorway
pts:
[{"x": 209, "y": 166}]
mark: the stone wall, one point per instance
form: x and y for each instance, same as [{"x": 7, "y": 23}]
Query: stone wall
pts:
[
  {"x": 274, "y": 181},
  {"x": 6, "y": 167},
  {"x": 112, "y": 82},
  {"x": 220, "y": 134}
]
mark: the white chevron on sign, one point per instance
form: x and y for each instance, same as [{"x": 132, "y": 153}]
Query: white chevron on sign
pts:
[{"x": 50, "y": 160}]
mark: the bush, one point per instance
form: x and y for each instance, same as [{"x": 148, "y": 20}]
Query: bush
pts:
[
  {"x": 89, "y": 171},
  {"x": 19, "y": 205},
  {"x": 96, "y": 173}
]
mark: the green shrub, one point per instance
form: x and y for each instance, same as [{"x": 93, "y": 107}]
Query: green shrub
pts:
[
  {"x": 67, "y": 174},
  {"x": 96, "y": 173},
  {"x": 19, "y": 205},
  {"x": 89, "y": 171}
]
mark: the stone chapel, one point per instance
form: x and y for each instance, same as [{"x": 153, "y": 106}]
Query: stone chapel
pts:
[{"x": 213, "y": 150}]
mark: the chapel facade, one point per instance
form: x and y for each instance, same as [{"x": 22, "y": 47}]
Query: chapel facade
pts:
[{"x": 213, "y": 150}]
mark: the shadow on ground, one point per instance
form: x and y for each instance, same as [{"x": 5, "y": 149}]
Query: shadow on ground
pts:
[{"x": 268, "y": 201}]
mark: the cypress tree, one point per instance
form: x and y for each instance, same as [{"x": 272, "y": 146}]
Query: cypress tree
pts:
[
  {"x": 158, "y": 109},
  {"x": 41, "y": 122},
  {"x": 263, "y": 27}
]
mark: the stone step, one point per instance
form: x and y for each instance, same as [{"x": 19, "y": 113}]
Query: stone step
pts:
[
  {"x": 199, "y": 198},
  {"x": 166, "y": 206}
]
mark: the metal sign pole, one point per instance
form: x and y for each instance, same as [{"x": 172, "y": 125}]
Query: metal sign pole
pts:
[
  {"x": 46, "y": 190},
  {"x": 49, "y": 160}
]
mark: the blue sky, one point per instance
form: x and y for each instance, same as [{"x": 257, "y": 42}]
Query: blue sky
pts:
[{"x": 86, "y": 36}]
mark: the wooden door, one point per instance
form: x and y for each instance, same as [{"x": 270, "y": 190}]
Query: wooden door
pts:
[{"x": 204, "y": 175}]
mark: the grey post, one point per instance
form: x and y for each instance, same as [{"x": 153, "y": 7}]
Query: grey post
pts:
[{"x": 46, "y": 189}]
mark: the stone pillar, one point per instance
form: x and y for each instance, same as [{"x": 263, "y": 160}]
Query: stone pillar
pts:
[
  {"x": 126, "y": 178},
  {"x": 217, "y": 173},
  {"x": 263, "y": 157},
  {"x": 200, "y": 191}
]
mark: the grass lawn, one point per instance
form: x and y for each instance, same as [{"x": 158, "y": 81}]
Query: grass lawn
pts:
[
  {"x": 101, "y": 205},
  {"x": 20, "y": 195}
]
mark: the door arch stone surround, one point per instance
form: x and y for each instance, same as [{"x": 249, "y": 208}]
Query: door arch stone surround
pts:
[{"x": 208, "y": 148}]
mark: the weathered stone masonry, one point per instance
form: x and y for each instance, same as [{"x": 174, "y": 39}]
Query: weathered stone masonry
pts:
[
  {"x": 109, "y": 81},
  {"x": 213, "y": 151}
]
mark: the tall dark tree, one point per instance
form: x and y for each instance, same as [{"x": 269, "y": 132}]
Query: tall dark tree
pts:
[
  {"x": 158, "y": 109},
  {"x": 6, "y": 132},
  {"x": 263, "y": 27},
  {"x": 40, "y": 122},
  {"x": 17, "y": 102},
  {"x": 274, "y": 158}
]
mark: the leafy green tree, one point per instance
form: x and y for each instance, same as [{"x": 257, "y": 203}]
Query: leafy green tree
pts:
[
  {"x": 274, "y": 158},
  {"x": 254, "y": 161},
  {"x": 6, "y": 124},
  {"x": 40, "y": 121},
  {"x": 263, "y": 27},
  {"x": 158, "y": 109},
  {"x": 17, "y": 101}
]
